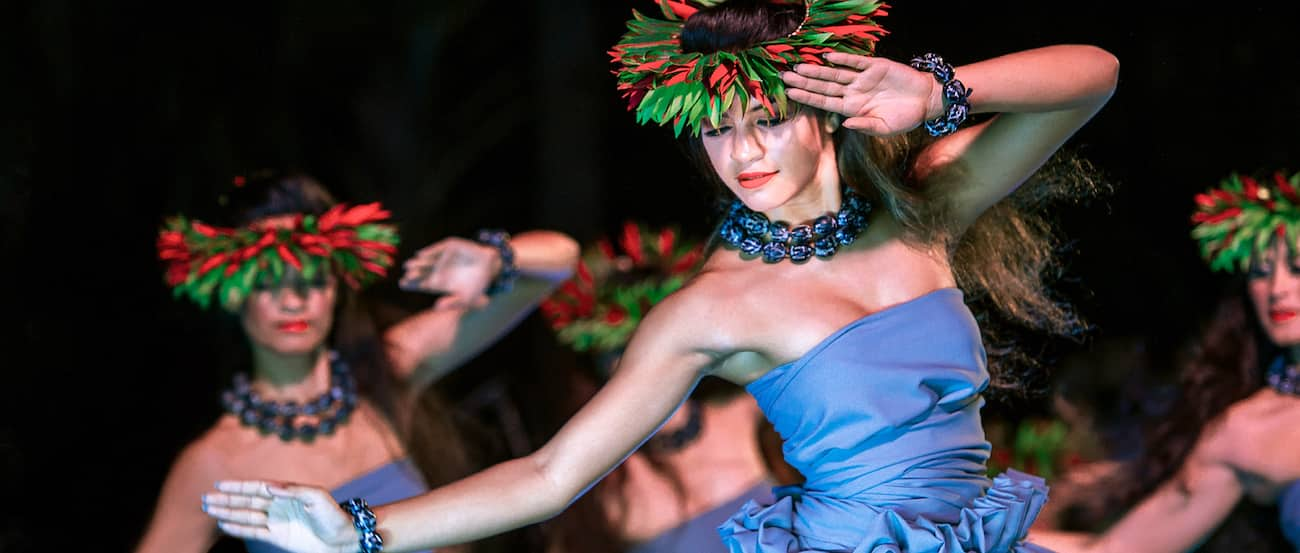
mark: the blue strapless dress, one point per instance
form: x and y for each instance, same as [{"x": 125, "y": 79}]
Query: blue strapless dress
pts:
[
  {"x": 882, "y": 417},
  {"x": 392, "y": 482}
]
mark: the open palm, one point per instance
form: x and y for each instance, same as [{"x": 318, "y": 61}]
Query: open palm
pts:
[
  {"x": 876, "y": 96},
  {"x": 302, "y": 519}
]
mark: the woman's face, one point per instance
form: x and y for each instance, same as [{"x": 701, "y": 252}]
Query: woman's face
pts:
[
  {"x": 765, "y": 160},
  {"x": 1274, "y": 288},
  {"x": 293, "y": 317}
]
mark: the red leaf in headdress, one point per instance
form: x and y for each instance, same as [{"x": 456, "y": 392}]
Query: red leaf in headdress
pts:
[
  {"x": 330, "y": 218},
  {"x": 288, "y": 256},
  {"x": 666, "y": 238},
  {"x": 584, "y": 274},
  {"x": 378, "y": 246},
  {"x": 631, "y": 242},
  {"x": 606, "y": 249},
  {"x": 1250, "y": 188},
  {"x": 687, "y": 261},
  {"x": 677, "y": 8},
  {"x": 212, "y": 262},
  {"x": 1222, "y": 215},
  {"x": 1285, "y": 187},
  {"x": 1204, "y": 200},
  {"x": 374, "y": 268},
  {"x": 205, "y": 230},
  {"x": 615, "y": 316},
  {"x": 363, "y": 214},
  {"x": 719, "y": 73},
  {"x": 177, "y": 273},
  {"x": 267, "y": 239}
]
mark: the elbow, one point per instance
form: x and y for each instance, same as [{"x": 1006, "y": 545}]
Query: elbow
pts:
[
  {"x": 1106, "y": 69},
  {"x": 570, "y": 252},
  {"x": 556, "y": 493}
]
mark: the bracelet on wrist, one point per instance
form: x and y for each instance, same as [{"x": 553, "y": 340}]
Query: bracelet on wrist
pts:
[
  {"x": 506, "y": 277},
  {"x": 956, "y": 97},
  {"x": 363, "y": 519}
]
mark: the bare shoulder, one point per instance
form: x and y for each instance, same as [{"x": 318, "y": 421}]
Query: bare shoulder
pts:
[
  {"x": 210, "y": 455},
  {"x": 698, "y": 309}
]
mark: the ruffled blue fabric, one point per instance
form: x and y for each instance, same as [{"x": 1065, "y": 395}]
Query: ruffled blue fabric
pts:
[
  {"x": 997, "y": 521},
  {"x": 882, "y": 418}
]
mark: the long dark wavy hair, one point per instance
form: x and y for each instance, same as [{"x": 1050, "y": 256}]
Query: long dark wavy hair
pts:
[
  {"x": 1005, "y": 262},
  {"x": 1223, "y": 364},
  {"x": 424, "y": 426}
]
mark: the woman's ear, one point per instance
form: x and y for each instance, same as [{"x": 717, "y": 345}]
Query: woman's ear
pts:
[{"x": 831, "y": 122}]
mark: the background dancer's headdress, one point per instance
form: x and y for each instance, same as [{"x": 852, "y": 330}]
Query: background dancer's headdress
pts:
[
  {"x": 1241, "y": 218},
  {"x": 612, "y": 290},
  {"x": 204, "y": 261},
  {"x": 664, "y": 84}
]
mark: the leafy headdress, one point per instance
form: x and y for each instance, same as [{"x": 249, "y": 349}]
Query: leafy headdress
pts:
[
  {"x": 1240, "y": 219},
  {"x": 665, "y": 85},
  {"x": 613, "y": 287},
  {"x": 206, "y": 262}
]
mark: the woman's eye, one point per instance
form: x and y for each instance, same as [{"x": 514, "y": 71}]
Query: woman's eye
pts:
[
  {"x": 1260, "y": 266},
  {"x": 770, "y": 122},
  {"x": 716, "y": 131}
]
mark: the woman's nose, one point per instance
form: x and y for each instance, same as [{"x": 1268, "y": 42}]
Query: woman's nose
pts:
[{"x": 745, "y": 146}]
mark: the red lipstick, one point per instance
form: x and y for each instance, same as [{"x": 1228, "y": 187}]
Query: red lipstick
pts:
[
  {"x": 755, "y": 180},
  {"x": 295, "y": 326},
  {"x": 1281, "y": 315}
]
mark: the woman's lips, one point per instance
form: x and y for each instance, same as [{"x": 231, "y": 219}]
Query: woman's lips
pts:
[
  {"x": 293, "y": 326},
  {"x": 1281, "y": 315},
  {"x": 755, "y": 180}
]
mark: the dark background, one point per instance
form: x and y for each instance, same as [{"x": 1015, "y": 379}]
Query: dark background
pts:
[{"x": 466, "y": 114}]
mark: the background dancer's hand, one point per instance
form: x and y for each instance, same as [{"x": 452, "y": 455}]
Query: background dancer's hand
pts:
[
  {"x": 876, "y": 96},
  {"x": 459, "y": 268},
  {"x": 301, "y": 519}
]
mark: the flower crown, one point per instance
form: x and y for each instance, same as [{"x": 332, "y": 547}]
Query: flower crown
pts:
[
  {"x": 610, "y": 293},
  {"x": 1242, "y": 216},
  {"x": 204, "y": 260},
  {"x": 663, "y": 84}
]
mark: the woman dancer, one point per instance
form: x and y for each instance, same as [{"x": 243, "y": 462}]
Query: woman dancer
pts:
[
  {"x": 1232, "y": 434},
  {"x": 866, "y": 359},
  {"x": 329, "y": 400}
]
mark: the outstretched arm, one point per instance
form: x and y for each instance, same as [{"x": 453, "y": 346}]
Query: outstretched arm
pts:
[
  {"x": 663, "y": 362},
  {"x": 428, "y": 345},
  {"x": 1042, "y": 96}
]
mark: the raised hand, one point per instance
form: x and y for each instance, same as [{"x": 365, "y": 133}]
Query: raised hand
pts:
[
  {"x": 461, "y": 269},
  {"x": 302, "y": 519},
  {"x": 876, "y": 96}
]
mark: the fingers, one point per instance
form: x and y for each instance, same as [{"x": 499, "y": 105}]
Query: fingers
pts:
[
  {"x": 827, "y": 88},
  {"x": 244, "y": 517},
  {"x": 869, "y": 125},
  {"x": 824, "y": 73},
  {"x": 257, "y": 488},
  {"x": 236, "y": 501},
  {"x": 245, "y": 531},
  {"x": 861, "y": 63},
  {"x": 819, "y": 101}
]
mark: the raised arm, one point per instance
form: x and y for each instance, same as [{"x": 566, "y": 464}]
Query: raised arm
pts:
[
  {"x": 427, "y": 345},
  {"x": 1042, "y": 96},
  {"x": 663, "y": 362}
]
